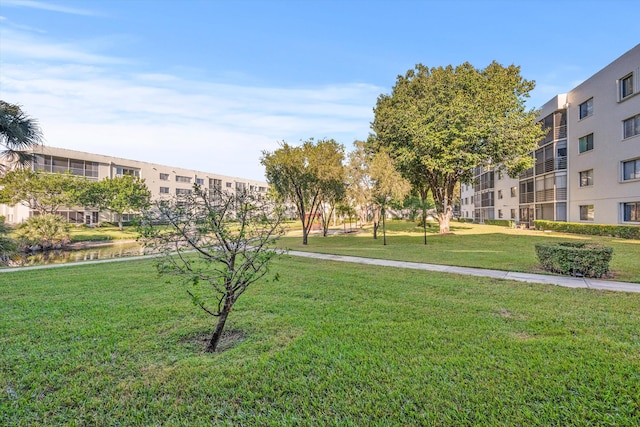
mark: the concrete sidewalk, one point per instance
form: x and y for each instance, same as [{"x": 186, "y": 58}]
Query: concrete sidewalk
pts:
[{"x": 567, "y": 282}]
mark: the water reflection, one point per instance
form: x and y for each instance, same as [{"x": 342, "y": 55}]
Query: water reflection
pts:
[{"x": 103, "y": 251}]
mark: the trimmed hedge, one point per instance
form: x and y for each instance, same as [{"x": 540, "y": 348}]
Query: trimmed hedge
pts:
[
  {"x": 586, "y": 259},
  {"x": 622, "y": 231},
  {"x": 502, "y": 222}
]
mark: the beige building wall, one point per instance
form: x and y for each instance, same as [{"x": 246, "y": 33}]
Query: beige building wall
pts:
[
  {"x": 163, "y": 181},
  {"x": 603, "y": 191}
]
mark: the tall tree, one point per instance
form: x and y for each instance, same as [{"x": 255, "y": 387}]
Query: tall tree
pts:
[
  {"x": 440, "y": 123},
  {"x": 119, "y": 195},
  {"x": 359, "y": 183},
  {"x": 218, "y": 245},
  {"x": 42, "y": 192},
  {"x": 18, "y": 132},
  {"x": 305, "y": 175},
  {"x": 388, "y": 187}
]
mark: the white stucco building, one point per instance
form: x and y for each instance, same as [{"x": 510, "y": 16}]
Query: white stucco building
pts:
[
  {"x": 587, "y": 168},
  {"x": 161, "y": 180}
]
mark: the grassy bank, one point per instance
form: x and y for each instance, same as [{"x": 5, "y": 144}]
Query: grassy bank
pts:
[
  {"x": 328, "y": 344},
  {"x": 470, "y": 245}
]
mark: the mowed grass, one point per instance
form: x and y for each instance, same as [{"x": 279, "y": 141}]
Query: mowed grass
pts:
[
  {"x": 328, "y": 344},
  {"x": 469, "y": 245},
  {"x": 84, "y": 234}
]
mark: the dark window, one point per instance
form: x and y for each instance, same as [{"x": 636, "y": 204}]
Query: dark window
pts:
[
  {"x": 626, "y": 86},
  {"x": 164, "y": 176},
  {"x": 586, "y": 212},
  {"x": 586, "y": 143},
  {"x": 586, "y": 108},
  {"x": 586, "y": 178},
  {"x": 631, "y": 126},
  {"x": 631, "y": 169},
  {"x": 631, "y": 211}
]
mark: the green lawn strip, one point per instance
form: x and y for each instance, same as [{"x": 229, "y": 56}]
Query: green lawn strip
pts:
[
  {"x": 328, "y": 344},
  {"x": 84, "y": 234},
  {"x": 469, "y": 245}
]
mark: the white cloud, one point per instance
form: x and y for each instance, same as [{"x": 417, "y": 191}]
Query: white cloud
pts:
[
  {"x": 48, "y": 6},
  {"x": 88, "y": 102}
]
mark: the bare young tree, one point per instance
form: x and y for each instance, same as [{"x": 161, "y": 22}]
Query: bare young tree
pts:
[{"x": 217, "y": 243}]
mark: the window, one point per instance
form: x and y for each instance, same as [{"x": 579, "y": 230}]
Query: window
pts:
[
  {"x": 499, "y": 213},
  {"x": 513, "y": 214},
  {"x": 466, "y": 200},
  {"x": 514, "y": 191},
  {"x": 472, "y": 199},
  {"x": 228, "y": 185},
  {"x": 631, "y": 170},
  {"x": 586, "y": 108},
  {"x": 164, "y": 190},
  {"x": 499, "y": 194},
  {"x": 586, "y": 178},
  {"x": 631, "y": 126},
  {"x": 164, "y": 176},
  {"x": 183, "y": 178},
  {"x": 180, "y": 191},
  {"x": 586, "y": 143},
  {"x": 121, "y": 171},
  {"x": 500, "y": 175},
  {"x": 626, "y": 86},
  {"x": 631, "y": 212},
  {"x": 586, "y": 212},
  {"x": 199, "y": 181}
]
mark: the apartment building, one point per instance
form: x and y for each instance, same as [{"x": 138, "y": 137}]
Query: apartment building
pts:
[
  {"x": 162, "y": 181},
  {"x": 586, "y": 168}
]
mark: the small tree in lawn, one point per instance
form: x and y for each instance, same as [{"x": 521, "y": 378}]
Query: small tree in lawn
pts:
[{"x": 216, "y": 243}]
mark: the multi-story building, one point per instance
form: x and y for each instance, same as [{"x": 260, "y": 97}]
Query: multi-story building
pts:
[
  {"x": 161, "y": 180},
  {"x": 586, "y": 168}
]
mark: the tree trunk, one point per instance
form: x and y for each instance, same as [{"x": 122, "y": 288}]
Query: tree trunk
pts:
[
  {"x": 375, "y": 230},
  {"x": 217, "y": 333},
  {"x": 304, "y": 235},
  {"x": 444, "y": 219},
  {"x": 384, "y": 228},
  {"x": 120, "y": 222}
]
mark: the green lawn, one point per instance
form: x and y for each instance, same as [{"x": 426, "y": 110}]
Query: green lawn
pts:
[
  {"x": 83, "y": 234},
  {"x": 469, "y": 245},
  {"x": 328, "y": 344}
]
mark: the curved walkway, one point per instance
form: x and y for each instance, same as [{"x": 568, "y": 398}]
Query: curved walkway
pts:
[{"x": 564, "y": 281}]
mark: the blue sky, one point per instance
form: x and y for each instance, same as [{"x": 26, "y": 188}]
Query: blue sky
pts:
[{"x": 210, "y": 84}]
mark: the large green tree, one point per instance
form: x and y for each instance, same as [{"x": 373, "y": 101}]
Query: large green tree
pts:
[
  {"x": 42, "y": 192},
  {"x": 439, "y": 123},
  {"x": 18, "y": 132},
  {"x": 306, "y": 175},
  {"x": 119, "y": 195},
  {"x": 359, "y": 183}
]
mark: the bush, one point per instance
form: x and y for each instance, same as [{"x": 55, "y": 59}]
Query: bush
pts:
[
  {"x": 586, "y": 259},
  {"x": 622, "y": 231},
  {"x": 43, "y": 232},
  {"x": 465, "y": 219},
  {"x": 502, "y": 222}
]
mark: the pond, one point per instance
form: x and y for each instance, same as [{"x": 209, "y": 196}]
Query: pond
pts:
[{"x": 87, "y": 253}]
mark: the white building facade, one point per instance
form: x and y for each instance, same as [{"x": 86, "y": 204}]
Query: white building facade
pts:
[
  {"x": 587, "y": 168},
  {"x": 162, "y": 181}
]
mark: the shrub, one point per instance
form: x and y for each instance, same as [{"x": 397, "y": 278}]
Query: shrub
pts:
[
  {"x": 465, "y": 219},
  {"x": 43, "y": 232},
  {"x": 586, "y": 259},
  {"x": 621, "y": 231},
  {"x": 502, "y": 222}
]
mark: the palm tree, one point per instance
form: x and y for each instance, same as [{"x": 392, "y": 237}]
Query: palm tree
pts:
[{"x": 18, "y": 132}]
